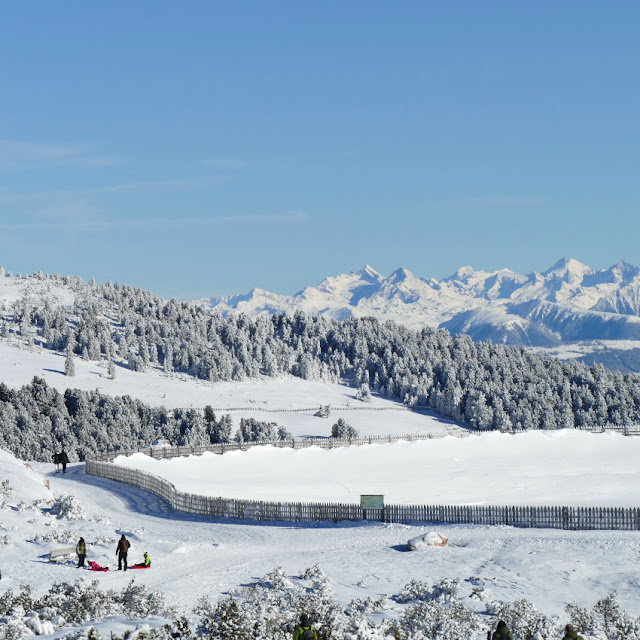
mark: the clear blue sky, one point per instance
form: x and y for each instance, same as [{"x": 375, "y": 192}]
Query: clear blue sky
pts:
[{"x": 204, "y": 148}]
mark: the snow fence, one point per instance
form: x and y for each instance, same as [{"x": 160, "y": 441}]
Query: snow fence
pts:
[{"x": 546, "y": 517}]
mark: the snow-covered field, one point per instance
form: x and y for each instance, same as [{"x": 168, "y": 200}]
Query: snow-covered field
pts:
[
  {"x": 565, "y": 468},
  {"x": 194, "y": 555}
]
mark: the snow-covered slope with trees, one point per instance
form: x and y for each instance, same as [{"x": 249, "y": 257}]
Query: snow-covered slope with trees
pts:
[
  {"x": 568, "y": 302},
  {"x": 112, "y": 329}
]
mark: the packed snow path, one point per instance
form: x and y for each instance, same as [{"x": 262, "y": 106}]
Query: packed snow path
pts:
[{"x": 193, "y": 555}]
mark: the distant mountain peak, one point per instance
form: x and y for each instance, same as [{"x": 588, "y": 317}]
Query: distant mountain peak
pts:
[
  {"x": 400, "y": 275},
  {"x": 369, "y": 273},
  {"x": 570, "y": 266}
]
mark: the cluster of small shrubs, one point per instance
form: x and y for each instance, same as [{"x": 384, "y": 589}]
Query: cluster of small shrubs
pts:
[{"x": 271, "y": 607}]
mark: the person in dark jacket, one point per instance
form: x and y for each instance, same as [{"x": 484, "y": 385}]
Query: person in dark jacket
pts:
[
  {"x": 121, "y": 551},
  {"x": 81, "y": 551},
  {"x": 64, "y": 459},
  {"x": 570, "y": 633},
  {"x": 502, "y": 632}
]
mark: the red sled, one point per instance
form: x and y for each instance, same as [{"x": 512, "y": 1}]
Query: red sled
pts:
[
  {"x": 94, "y": 566},
  {"x": 140, "y": 566}
]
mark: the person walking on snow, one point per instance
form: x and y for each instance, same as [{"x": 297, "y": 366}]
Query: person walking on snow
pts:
[
  {"x": 571, "y": 634},
  {"x": 64, "y": 459},
  {"x": 81, "y": 551},
  {"x": 305, "y": 631},
  {"x": 121, "y": 551}
]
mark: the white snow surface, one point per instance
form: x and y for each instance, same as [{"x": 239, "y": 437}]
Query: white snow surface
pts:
[{"x": 563, "y": 468}]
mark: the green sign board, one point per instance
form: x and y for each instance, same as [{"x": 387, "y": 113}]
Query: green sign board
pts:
[{"x": 372, "y": 502}]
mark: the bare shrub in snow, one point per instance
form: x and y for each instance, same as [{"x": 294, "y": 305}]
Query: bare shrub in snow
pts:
[
  {"x": 6, "y": 540},
  {"x": 34, "y": 505}
]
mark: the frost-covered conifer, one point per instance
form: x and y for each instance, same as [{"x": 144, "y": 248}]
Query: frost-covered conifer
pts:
[
  {"x": 341, "y": 429},
  {"x": 69, "y": 365}
]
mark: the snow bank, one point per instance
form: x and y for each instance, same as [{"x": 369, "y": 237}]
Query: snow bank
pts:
[
  {"x": 26, "y": 484},
  {"x": 570, "y": 468}
]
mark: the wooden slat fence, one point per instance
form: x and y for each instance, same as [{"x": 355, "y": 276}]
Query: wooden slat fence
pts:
[
  {"x": 294, "y": 443},
  {"x": 570, "y": 518}
]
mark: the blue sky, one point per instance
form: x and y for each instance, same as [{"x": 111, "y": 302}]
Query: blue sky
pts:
[{"x": 204, "y": 148}]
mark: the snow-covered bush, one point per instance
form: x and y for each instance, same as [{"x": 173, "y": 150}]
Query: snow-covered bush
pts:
[
  {"x": 605, "y": 620},
  {"x": 5, "y": 489},
  {"x": 81, "y": 602},
  {"x": 57, "y": 535},
  {"x": 102, "y": 539},
  {"x": 364, "y": 393},
  {"x": 446, "y": 590},
  {"x": 73, "y": 603},
  {"x": 67, "y": 507},
  {"x": 276, "y": 579},
  {"x": 433, "y": 620},
  {"x": 414, "y": 590},
  {"x": 525, "y": 621},
  {"x": 323, "y": 411},
  {"x": 226, "y": 620},
  {"x": 6, "y": 540},
  {"x": 138, "y": 601}
]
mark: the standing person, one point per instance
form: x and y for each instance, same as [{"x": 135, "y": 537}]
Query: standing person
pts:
[
  {"x": 81, "y": 550},
  {"x": 64, "y": 459},
  {"x": 305, "y": 630},
  {"x": 502, "y": 632},
  {"x": 56, "y": 461},
  {"x": 121, "y": 551},
  {"x": 571, "y": 634}
]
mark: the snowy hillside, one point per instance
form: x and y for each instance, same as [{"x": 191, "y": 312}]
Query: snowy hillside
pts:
[
  {"x": 122, "y": 344},
  {"x": 569, "y": 302},
  {"x": 290, "y": 402}
]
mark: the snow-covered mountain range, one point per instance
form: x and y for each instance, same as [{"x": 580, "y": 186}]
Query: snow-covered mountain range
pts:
[{"x": 569, "y": 302}]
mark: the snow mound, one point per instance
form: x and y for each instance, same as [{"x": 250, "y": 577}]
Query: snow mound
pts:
[
  {"x": 26, "y": 484},
  {"x": 429, "y": 539}
]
